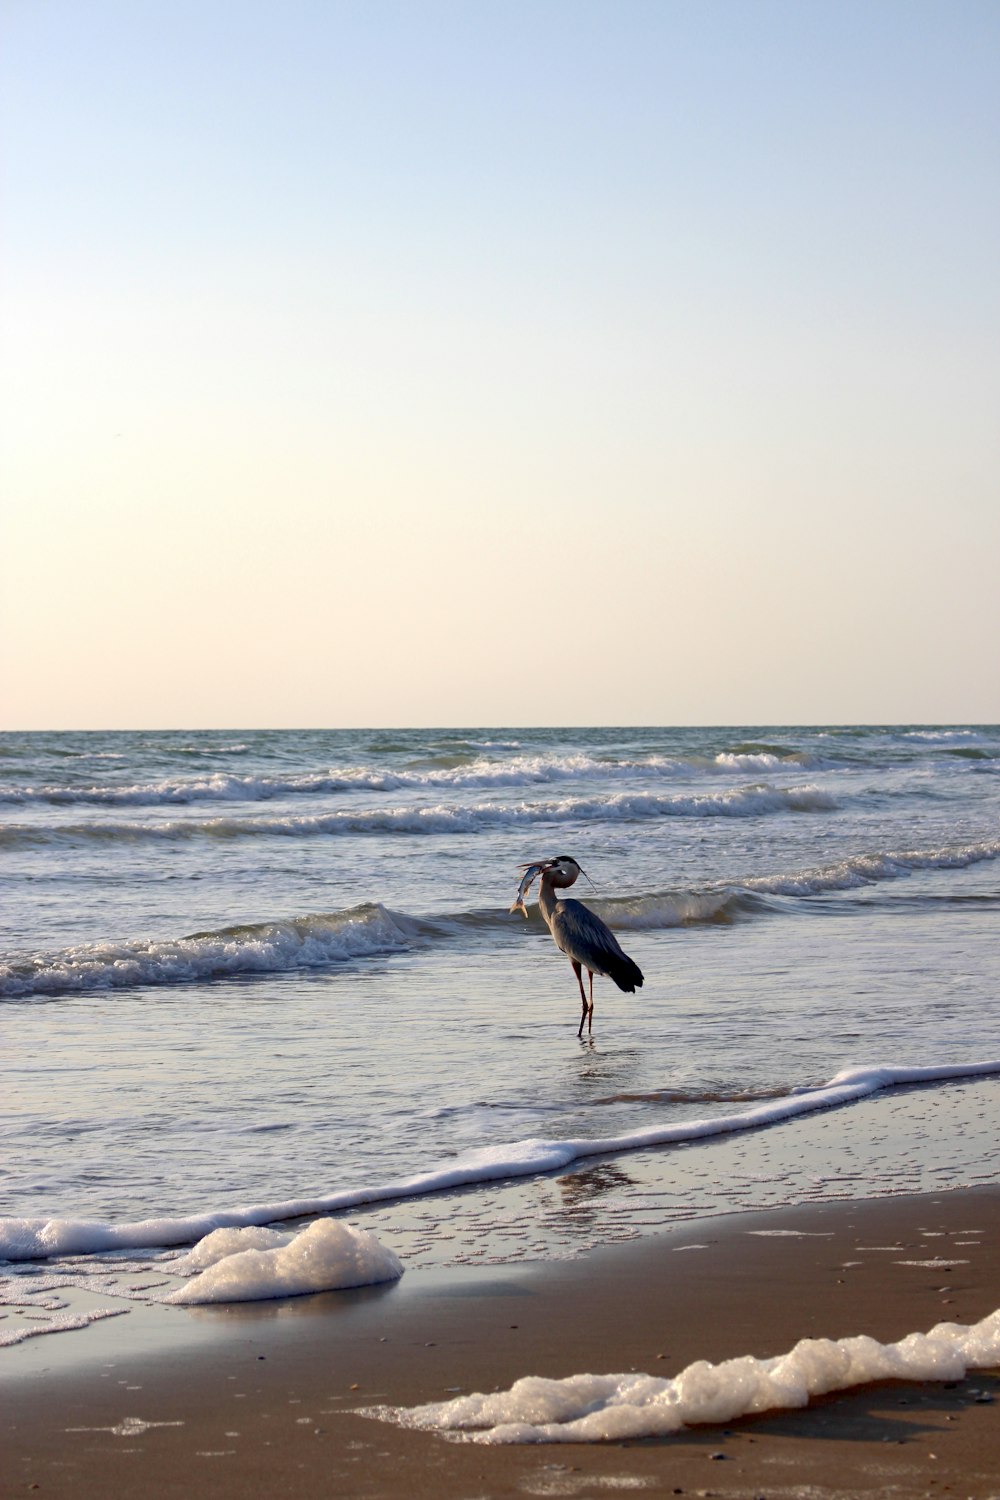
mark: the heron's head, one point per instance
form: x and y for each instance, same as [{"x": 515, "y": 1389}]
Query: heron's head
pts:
[{"x": 563, "y": 870}]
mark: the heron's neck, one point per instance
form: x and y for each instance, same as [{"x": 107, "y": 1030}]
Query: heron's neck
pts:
[{"x": 547, "y": 898}]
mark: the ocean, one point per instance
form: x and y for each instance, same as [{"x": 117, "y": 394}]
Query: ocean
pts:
[{"x": 248, "y": 975}]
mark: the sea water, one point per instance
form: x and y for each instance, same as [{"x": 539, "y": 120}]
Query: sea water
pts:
[{"x": 246, "y": 975}]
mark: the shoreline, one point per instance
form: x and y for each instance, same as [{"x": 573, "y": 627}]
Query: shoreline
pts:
[
  {"x": 270, "y": 1395},
  {"x": 900, "y": 1139}
]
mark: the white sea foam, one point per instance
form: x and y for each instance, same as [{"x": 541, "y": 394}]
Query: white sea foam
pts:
[
  {"x": 743, "y": 761},
  {"x": 602, "y": 1408},
  {"x": 61, "y": 1323},
  {"x": 946, "y": 736},
  {"x": 325, "y": 1256},
  {"x": 867, "y": 869},
  {"x": 220, "y": 787},
  {"x": 739, "y": 802},
  {"x": 225, "y": 1242},
  {"x": 38, "y": 1239},
  {"x": 268, "y": 947}
]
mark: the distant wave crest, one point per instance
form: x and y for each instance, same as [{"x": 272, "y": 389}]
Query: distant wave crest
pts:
[
  {"x": 521, "y": 770},
  {"x": 739, "y": 802}
]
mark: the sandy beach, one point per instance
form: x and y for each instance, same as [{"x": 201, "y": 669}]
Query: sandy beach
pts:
[{"x": 270, "y": 1396}]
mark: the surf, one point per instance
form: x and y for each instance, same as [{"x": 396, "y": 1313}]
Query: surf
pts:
[{"x": 41, "y": 1239}]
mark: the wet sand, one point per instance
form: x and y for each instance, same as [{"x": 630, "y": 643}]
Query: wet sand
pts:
[{"x": 265, "y": 1398}]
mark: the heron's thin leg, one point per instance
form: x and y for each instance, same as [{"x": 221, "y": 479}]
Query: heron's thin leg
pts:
[
  {"x": 590, "y": 1008},
  {"x": 578, "y": 971}
]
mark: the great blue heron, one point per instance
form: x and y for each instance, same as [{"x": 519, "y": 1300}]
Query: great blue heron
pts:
[{"x": 587, "y": 942}]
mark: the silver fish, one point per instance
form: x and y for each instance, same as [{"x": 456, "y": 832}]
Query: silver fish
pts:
[{"x": 531, "y": 872}]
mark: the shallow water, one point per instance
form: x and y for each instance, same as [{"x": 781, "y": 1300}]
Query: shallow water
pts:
[{"x": 248, "y": 967}]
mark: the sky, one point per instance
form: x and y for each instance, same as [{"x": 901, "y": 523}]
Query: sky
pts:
[{"x": 482, "y": 362}]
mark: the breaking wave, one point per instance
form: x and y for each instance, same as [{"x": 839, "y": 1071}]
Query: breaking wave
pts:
[
  {"x": 325, "y": 939},
  {"x": 262, "y": 948},
  {"x": 721, "y": 903},
  {"x": 984, "y": 735},
  {"x": 742, "y": 802}
]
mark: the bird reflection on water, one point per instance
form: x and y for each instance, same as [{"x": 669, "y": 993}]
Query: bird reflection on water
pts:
[{"x": 580, "y": 1191}]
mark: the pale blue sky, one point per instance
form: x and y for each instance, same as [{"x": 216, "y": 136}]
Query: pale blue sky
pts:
[{"x": 474, "y": 362}]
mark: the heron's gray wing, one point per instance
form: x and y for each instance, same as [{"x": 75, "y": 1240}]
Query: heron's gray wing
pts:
[{"x": 582, "y": 936}]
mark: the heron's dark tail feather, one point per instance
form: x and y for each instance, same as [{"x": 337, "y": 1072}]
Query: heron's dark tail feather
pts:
[{"x": 626, "y": 974}]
